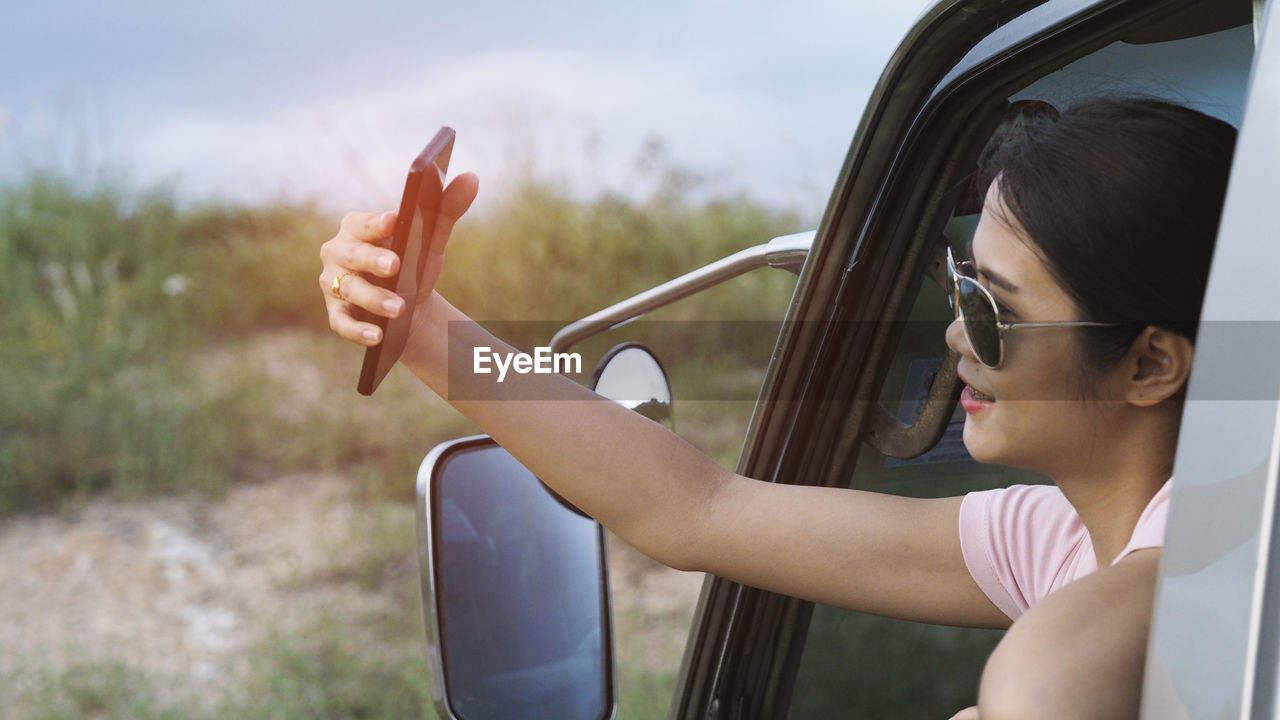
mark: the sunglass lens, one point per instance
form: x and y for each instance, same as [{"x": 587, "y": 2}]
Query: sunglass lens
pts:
[{"x": 979, "y": 322}]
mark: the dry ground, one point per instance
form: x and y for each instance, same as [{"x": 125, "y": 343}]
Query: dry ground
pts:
[{"x": 183, "y": 589}]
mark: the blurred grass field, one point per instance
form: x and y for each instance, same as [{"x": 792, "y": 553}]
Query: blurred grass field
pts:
[
  {"x": 136, "y": 360},
  {"x": 158, "y": 350}
]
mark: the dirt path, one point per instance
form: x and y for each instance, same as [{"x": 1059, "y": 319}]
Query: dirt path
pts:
[
  {"x": 181, "y": 589},
  {"x": 177, "y": 589}
]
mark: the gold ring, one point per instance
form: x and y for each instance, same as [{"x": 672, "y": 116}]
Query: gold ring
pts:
[{"x": 336, "y": 287}]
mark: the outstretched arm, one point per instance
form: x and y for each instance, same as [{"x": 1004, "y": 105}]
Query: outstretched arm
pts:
[{"x": 867, "y": 551}]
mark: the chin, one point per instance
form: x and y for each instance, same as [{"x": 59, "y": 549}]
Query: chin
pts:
[{"x": 981, "y": 446}]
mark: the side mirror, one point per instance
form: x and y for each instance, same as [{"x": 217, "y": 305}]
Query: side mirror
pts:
[
  {"x": 515, "y": 594},
  {"x": 630, "y": 375}
]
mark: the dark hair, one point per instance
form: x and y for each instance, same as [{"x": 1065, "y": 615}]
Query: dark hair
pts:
[{"x": 1121, "y": 197}]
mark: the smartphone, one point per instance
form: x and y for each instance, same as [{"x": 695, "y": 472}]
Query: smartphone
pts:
[{"x": 419, "y": 209}]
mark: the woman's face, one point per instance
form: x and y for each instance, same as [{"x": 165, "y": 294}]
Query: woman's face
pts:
[{"x": 1029, "y": 412}]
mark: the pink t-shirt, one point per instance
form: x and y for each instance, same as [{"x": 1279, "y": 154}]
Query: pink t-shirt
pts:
[{"x": 1023, "y": 542}]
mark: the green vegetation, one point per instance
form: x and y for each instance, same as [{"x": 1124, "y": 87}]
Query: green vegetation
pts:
[
  {"x": 327, "y": 676},
  {"x": 162, "y": 349},
  {"x": 322, "y": 673},
  {"x": 115, "y": 300},
  {"x": 545, "y": 256},
  {"x": 108, "y": 690}
]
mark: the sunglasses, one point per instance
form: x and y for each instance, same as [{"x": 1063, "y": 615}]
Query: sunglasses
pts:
[{"x": 976, "y": 309}]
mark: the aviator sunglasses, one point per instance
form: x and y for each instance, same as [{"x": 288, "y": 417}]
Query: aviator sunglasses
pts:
[{"x": 976, "y": 309}]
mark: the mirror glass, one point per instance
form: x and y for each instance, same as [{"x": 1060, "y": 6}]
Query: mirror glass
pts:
[
  {"x": 520, "y": 594},
  {"x": 631, "y": 376}
]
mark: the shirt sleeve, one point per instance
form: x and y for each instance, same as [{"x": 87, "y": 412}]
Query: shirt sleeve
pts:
[{"x": 1017, "y": 542}]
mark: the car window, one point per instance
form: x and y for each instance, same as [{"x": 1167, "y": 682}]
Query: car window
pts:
[
  {"x": 856, "y": 665},
  {"x": 859, "y": 665}
]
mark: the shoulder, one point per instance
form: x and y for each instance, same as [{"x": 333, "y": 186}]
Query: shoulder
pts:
[
  {"x": 1036, "y": 499},
  {"x": 1021, "y": 543},
  {"x": 1080, "y": 652},
  {"x": 1032, "y": 511}
]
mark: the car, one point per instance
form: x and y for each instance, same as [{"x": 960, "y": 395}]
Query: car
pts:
[{"x": 860, "y": 392}]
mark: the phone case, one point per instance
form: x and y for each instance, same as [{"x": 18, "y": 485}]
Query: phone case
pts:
[{"x": 419, "y": 210}]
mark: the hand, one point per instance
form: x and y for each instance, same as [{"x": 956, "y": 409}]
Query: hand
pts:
[
  {"x": 359, "y": 250},
  {"x": 969, "y": 713}
]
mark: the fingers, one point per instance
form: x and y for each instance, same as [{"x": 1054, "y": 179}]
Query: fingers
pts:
[
  {"x": 459, "y": 195},
  {"x": 346, "y": 326},
  {"x": 457, "y": 198},
  {"x": 349, "y": 256},
  {"x": 357, "y": 253},
  {"x": 369, "y": 227},
  {"x": 358, "y": 291},
  {"x": 346, "y": 252}
]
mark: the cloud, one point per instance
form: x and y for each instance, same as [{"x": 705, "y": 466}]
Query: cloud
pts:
[{"x": 761, "y": 96}]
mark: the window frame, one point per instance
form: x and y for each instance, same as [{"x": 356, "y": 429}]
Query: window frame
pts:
[{"x": 745, "y": 644}]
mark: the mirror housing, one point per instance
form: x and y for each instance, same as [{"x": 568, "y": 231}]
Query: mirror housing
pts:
[
  {"x": 515, "y": 595},
  {"x": 630, "y": 375}
]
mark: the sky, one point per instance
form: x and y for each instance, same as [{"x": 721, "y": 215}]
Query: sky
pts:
[{"x": 257, "y": 101}]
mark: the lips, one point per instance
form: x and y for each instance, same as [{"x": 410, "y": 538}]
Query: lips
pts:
[
  {"x": 973, "y": 400},
  {"x": 980, "y": 396}
]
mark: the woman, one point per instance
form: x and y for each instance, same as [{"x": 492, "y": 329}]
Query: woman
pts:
[{"x": 1075, "y": 325}]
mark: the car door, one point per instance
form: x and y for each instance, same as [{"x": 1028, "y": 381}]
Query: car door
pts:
[
  {"x": 1215, "y": 643},
  {"x": 858, "y": 393}
]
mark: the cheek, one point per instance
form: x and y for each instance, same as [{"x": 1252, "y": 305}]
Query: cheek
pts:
[
  {"x": 1031, "y": 434},
  {"x": 1040, "y": 420},
  {"x": 1043, "y": 365}
]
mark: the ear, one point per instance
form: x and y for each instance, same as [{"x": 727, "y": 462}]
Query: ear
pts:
[{"x": 1160, "y": 360}]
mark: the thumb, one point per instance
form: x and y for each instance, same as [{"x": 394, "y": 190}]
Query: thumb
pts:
[{"x": 457, "y": 198}]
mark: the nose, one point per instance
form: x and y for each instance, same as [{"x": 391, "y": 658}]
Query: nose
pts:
[{"x": 957, "y": 341}]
